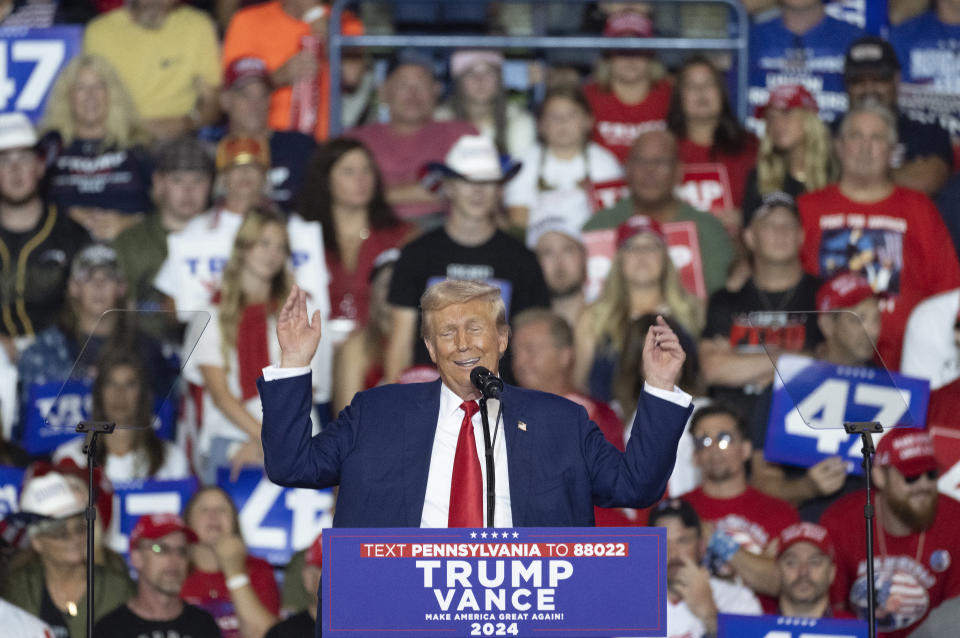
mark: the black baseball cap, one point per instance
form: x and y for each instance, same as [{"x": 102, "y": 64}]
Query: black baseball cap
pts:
[{"x": 870, "y": 55}]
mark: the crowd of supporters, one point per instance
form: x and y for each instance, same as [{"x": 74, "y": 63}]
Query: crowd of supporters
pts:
[{"x": 183, "y": 177}]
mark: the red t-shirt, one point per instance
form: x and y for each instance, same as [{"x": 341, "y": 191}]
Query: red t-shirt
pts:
[
  {"x": 715, "y": 181},
  {"x": 402, "y": 158},
  {"x": 913, "y": 574},
  {"x": 350, "y": 289},
  {"x": 616, "y": 125},
  {"x": 208, "y": 590},
  {"x": 899, "y": 244}
]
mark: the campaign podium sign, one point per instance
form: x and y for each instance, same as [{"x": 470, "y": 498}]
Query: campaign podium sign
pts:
[
  {"x": 494, "y": 582},
  {"x": 730, "y": 626},
  {"x": 835, "y": 394}
]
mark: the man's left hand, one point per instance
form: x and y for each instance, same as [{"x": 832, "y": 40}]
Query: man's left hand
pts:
[{"x": 663, "y": 356}]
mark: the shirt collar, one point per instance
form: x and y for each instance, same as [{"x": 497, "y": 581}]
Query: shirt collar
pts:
[{"x": 449, "y": 402}]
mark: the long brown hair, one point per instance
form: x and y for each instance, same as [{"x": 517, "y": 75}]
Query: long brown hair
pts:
[
  {"x": 232, "y": 299},
  {"x": 729, "y": 137},
  {"x": 144, "y": 438}
]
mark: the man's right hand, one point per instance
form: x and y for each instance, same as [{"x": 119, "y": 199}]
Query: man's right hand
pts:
[
  {"x": 828, "y": 475},
  {"x": 298, "y": 334}
]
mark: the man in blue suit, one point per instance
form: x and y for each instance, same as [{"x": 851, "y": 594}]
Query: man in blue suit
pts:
[{"x": 399, "y": 452}]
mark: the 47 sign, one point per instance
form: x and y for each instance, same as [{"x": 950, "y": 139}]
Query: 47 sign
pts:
[
  {"x": 813, "y": 399},
  {"x": 30, "y": 60}
]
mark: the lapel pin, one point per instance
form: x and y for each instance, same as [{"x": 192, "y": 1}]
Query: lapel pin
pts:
[{"x": 522, "y": 426}]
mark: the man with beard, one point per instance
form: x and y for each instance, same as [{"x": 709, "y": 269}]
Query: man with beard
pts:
[
  {"x": 916, "y": 539},
  {"x": 559, "y": 247},
  {"x": 805, "y": 560},
  {"x": 694, "y": 597},
  {"x": 159, "y": 547},
  {"x": 37, "y": 242},
  {"x": 745, "y": 519}
]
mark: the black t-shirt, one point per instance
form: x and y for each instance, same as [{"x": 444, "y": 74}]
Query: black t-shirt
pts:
[
  {"x": 193, "y": 622},
  {"x": 34, "y": 266},
  {"x": 90, "y": 174},
  {"x": 290, "y": 152},
  {"x": 297, "y": 626},
  {"x": 502, "y": 261},
  {"x": 728, "y": 317},
  {"x": 53, "y": 616}
]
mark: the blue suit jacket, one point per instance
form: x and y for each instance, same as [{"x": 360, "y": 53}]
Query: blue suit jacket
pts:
[{"x": 378, "y": 452}]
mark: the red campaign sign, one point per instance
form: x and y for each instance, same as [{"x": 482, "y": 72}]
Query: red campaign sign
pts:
[
  {"x": 606, "y": 194},
  {"x": 684, "y": 246},
  {"x": 706, "y": 187}
]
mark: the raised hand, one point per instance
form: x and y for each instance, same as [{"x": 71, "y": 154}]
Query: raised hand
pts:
[
  {"x": 298, "y": 334},
  {"x": 663, "y": 356}
]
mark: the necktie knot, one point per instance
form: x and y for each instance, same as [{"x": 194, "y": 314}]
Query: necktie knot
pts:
[{"x": 470, "y": 408}]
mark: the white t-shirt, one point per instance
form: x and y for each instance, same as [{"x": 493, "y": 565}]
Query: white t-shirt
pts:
[
  {"x": 193, "y": 269},
  {"x": 555, "y": 174},
  {"x": 17, "y": 622},
  {"x": 730, "y": 598},
  {"x": 131, "y": 466}
]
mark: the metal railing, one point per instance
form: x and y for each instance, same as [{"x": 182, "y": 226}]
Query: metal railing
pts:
[{"x": 737, "y": 44}]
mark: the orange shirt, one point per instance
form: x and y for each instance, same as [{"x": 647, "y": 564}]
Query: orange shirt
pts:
[{"x": 266, "y": 31}]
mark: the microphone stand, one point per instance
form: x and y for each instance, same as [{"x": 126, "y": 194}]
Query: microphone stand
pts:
[
  {"x": 92, "y": 429},
  {"x": 488, "y": 454},
  {"x": 864, "y": 429}
]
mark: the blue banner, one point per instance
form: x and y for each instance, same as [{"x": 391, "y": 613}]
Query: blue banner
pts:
[
  {"x": 133, "y": 499},
  {"x": 11, "y": 480},
  {"x": 55, "y": 408},
  {"x": 30, "y": 60},
  {"x": 494, "y": 582},
  {"x": 276, "y": 521},
  {"x": 826, "y": 396},
  {"x": 729, "y": 626}
]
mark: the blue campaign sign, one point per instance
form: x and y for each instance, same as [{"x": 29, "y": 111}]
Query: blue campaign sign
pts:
[
  {"x": 494, "y": 582},
  {"x": 30, "y": 60},
  {"x": 827, "y": 395},
  {"x": 133, "y": 499},
  {"x": 55, "y": 408},
  {"x": 276, "y": 521},
  {"x": 53, "y": 411},
  {"x": 729, "y": 626},
  {"x": 11, "y": 480}
]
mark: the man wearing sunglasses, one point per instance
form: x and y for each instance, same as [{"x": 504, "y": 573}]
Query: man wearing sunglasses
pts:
[
  {"x": 916, "y": 542},
  {"x": 745, "y": 519},
  {"x": 159, "y": 549}
]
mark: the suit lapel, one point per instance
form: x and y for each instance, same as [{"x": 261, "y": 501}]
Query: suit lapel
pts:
[
  {"x": 519, "y": 446},
  {"x": 418, "y": 431}
]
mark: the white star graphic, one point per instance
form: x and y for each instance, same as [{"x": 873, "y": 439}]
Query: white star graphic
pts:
[
  {"x": 473, "y": 534},
  {"x": 516, "y": 535},
  {"x": 493, "y": 534},
  {"x": 483, "y": 534}
]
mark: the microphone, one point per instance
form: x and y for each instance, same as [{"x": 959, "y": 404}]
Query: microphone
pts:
[{"x": 488, "y": 383}]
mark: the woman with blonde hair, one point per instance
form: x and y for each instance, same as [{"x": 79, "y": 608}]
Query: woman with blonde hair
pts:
[
  {"x": 642, "y": 280},
  {"x": 240, "y": 340},
  {"x": 101, "y": 178},
  {"x": 796, "y": 152}
]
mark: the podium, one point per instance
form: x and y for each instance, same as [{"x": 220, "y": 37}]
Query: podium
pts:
[{"x": 494, "y": 582}]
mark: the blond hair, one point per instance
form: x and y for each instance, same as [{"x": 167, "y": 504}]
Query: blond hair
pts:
[
  {"x": 460, "y": 291},
  {"x": 123, "y": 122},
  {"x": 232, "y": 298},
  {"x": 819, "y": 161},
  {"x": 611, "y": 311}
]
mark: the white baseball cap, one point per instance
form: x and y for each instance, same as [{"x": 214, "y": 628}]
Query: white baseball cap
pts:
[
  {"x": 16, "y": 131},
  {"x": 475, "y": 159},
  {"x": 51, "y": 495}
]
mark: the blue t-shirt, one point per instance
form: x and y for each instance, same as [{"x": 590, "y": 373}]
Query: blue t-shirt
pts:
[
  {"x": 89, "y": 174},
  {"x": 929, "y": 52},
  {"x": 814, "y": 59}
]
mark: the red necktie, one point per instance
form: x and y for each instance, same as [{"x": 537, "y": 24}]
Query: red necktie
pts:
[{"x": 466, "y": 487}]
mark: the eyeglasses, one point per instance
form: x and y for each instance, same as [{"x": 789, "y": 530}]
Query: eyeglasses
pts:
[
  {"x": 930, "y": 474},
  {"x": 162, "y": 549},
  {"x": 722, "y": 440}
]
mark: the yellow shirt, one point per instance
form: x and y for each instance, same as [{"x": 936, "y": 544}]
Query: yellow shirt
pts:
[{"x": 158, "y": 66}]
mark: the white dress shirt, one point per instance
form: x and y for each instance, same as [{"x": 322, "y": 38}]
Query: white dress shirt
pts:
[{"x": 436, "y": 505}]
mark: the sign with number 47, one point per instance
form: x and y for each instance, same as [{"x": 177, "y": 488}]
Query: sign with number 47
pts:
[
  {"x": 30, "y": 60},
  {"x": 808, "y": 412}
]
